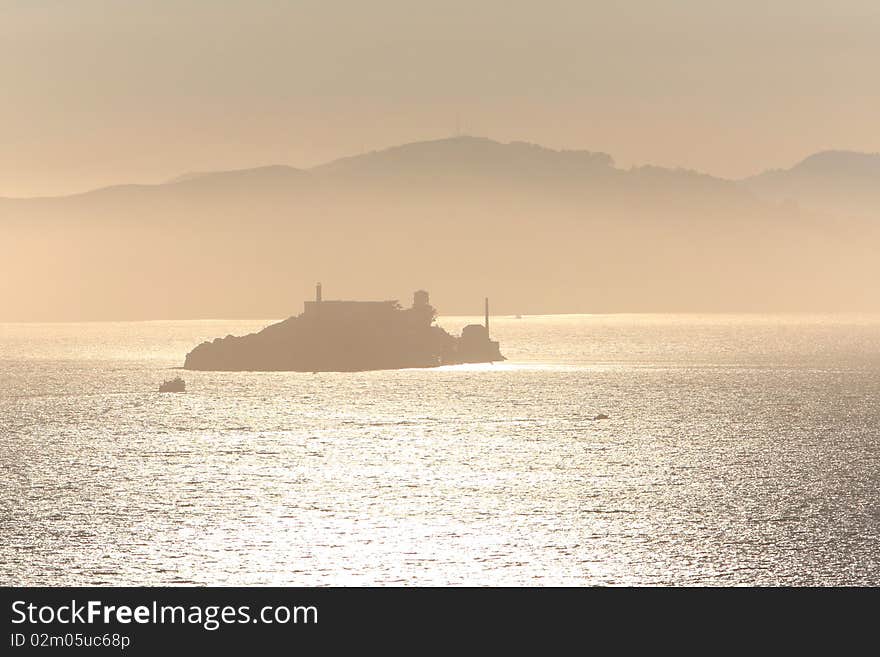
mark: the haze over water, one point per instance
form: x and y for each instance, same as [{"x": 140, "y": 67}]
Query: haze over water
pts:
[{"x": 738, "y": 450}]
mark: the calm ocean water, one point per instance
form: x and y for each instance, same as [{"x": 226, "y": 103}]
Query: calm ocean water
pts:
[{"x": 738, "y": 450}]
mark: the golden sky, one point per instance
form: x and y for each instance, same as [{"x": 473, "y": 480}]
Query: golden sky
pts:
[{"x": 102, "y": 92}]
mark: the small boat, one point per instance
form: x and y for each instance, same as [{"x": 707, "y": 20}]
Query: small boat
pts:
[{"x": 174, "y": 385}]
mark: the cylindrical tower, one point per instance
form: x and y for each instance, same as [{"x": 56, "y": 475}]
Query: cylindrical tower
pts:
[{"x": 420, "y": 298}]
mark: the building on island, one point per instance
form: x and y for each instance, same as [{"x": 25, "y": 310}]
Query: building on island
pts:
[{"x": 342, "y": 335}]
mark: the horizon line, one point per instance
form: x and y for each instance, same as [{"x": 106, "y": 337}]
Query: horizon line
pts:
[{"x": 688, "y": 313}]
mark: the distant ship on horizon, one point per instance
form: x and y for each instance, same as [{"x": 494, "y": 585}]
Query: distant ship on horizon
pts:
[{"x": 350, "y": 336}]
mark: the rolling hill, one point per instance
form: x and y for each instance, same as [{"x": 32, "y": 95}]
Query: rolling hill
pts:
[{"x": 539, "y": 230}]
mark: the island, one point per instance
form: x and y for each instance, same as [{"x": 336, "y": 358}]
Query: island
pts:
[{"x": 350, "y": 336}]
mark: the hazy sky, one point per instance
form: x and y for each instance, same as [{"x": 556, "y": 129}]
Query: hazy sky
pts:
[{"x": 99, "y": 92}]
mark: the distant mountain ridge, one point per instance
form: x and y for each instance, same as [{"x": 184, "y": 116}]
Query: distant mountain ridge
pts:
[
  {"x": 841, "y": 163},
  {"x": 537, "y": 229},
  {"x": 830, "y": 181},
  {"x": 468, "y": 155},
  {"x": 460, "y": 157}
]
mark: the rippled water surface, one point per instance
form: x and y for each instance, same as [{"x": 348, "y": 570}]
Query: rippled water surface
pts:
[{"x": 738, "y": 450}]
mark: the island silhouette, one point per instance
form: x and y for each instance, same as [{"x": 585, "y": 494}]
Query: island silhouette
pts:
[{"x": 349, "y": 336}]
